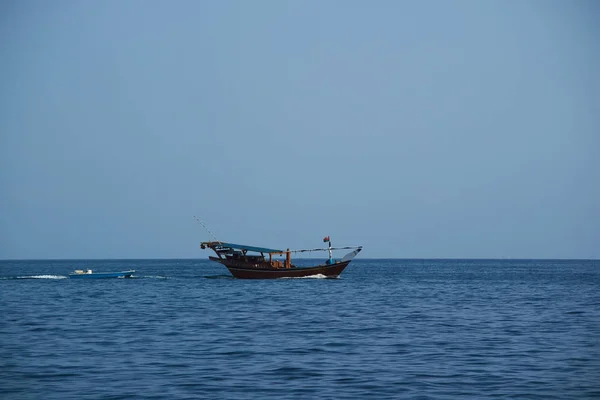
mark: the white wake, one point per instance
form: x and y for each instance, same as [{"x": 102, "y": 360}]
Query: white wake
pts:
[{"x": 42, "y": 277}]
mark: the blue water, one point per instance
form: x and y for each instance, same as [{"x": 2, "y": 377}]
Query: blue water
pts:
[{"x": 414, "y": 329}]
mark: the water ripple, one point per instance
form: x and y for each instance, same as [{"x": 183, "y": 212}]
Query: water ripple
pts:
[{"x": 386, "y": 329}]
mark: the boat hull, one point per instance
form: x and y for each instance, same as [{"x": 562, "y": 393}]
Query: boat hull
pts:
[
  {"x": 103, "y": 275},
  {"x": 329, "y": 271}
]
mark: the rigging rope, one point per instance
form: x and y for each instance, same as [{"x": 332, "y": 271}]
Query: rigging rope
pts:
[
  {"x": 333, "y": 248},
  {"x": 208, "y": 230}
]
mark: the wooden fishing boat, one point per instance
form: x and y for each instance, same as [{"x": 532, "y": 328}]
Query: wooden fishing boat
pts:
[
  {"x": 250, "y": 262},
  {"x": 89, "y": 274}
]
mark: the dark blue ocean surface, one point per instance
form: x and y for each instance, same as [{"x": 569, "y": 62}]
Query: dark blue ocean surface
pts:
[{"x": 183, "y": 329}]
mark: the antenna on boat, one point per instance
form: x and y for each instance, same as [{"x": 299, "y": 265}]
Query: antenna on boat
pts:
[{"x": 207, "y": 230}]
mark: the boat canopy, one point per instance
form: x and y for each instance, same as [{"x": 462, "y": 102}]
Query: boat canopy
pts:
[
  {"x": 232, "y": 246},
  {"x": 222, "y": 245}
]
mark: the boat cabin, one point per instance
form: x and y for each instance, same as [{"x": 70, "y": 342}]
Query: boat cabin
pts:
[
  {"x": 238, "y": 255},
  {"x": 81, "y": 272}
]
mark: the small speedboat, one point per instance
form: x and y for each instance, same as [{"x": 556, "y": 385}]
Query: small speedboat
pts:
[{"x": 89, "y": 274}]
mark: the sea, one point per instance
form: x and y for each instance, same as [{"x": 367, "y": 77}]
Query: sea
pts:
[{"x": 385, "y": 329}]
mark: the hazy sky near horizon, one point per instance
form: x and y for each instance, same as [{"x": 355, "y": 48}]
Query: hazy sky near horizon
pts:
[{"x": 418, "y": 129}]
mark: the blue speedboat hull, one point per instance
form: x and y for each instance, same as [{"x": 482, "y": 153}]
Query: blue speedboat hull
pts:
[{"x": 101, "y": 275}]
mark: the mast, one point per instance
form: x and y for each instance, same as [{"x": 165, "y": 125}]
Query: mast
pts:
[{"x": 328, "y": 239}]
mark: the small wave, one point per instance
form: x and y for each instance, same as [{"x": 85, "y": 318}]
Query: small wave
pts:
[
  {"x": 316, "y": 276},
  {"x": 219, "y": 277}
]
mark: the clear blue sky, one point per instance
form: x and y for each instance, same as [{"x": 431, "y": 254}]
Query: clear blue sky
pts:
[{"x": 414, "y": 128}]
